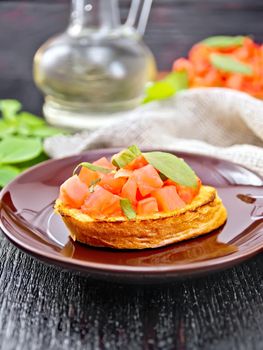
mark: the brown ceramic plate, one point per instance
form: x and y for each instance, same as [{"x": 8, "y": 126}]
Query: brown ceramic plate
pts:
[{"x": 28, "y": 220}]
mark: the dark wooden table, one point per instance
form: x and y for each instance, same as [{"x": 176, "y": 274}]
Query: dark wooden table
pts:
[{"x": 42, "y": 307}]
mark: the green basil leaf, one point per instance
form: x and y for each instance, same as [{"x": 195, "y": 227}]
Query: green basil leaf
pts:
[
  {"x": 158, "y": 91},
  {"x": 9, "y": 108},
  {"x": 15, "y": 149},
  {"x": 135, "y": 150},
  {"x": 179, "y": 80},
  {"x": 126, "y": 156},
  {"x": 6, "y": 128},
  {"x": 7, "y": 174},
  {"x": 29, "y": 129},
  {"x": 30, "y": 119},
  {"x": 222, "y": 41},
  {"x": 45, "y": 131},
  {"x": 27, "y": 164},
  {"x": 23, "y": 129},
  {"x": 92, "y": 167},
  {"x": 172, "y": 167},
  {"x": 229, "y": 64},
  {"x": 172, "y": 83},
  {"x": 127, "y": 208},
  {"x": 120, "y": 160}
]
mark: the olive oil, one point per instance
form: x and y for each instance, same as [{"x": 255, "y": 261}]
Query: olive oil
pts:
[{"x": 92, "y": 69}]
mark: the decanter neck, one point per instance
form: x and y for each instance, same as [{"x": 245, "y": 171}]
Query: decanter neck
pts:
[{"x": 94, "y": 15}]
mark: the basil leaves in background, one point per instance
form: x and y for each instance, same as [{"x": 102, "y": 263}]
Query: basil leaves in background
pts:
[
  {"x": 178, "y": 80},
  {"x": 228, "y": 64},
  {"x": 15, "y": 149},
  {"x": 223, "y": 41},
  {"x": 167, "y": 87},
  {"x": 7, "y": 173},
  {"x": 9, "y": 109},
  {"x": 21, "y": 135}
]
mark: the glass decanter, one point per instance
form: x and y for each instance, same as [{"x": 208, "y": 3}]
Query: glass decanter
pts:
[{"x": 97, "y": 67}]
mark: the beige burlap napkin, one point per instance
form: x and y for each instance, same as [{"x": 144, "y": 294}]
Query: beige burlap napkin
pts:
[{"x": 213, "y": 121}]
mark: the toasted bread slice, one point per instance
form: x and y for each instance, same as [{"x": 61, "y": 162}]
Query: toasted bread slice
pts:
[{"x": 203, "y": 215}]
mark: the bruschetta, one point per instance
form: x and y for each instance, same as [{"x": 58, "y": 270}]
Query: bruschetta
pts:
[{"x": 138, "y": 200}]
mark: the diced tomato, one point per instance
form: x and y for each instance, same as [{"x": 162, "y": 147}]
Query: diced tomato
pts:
[
  {"x": 129, "y": 190},
  {"x": 102, "y": 203},
  {"x": 168, "y": 199},
  {"x": 203, "y": 73},
  {"x": 199, "y": 52},
  {"x": 169, "y": 182},
  {"x": 87, "y": 176},
  {"x": 73, "y": 192},
  {"x": 147, "y": 179},
  {"x": 187, "y": 194},
  {"x": 199, "y": 57},
  {"x": 252, "y": 87},
  {"x": 183, "y": 64},
  {"x": 105, "y": 163},
  {"x": 123, "y": 173},
  {"x": 137, "y": 163},
  {"x": 139, "y": 196},
  {"x": 235, "y": 81},
  {"x": 250, "y": 46},
  {"x": 112, "y": 184},
  {"x": 212, "y": 78},
  {"x": 242, "y": 53},
  {"x": 147, "y": 206}
]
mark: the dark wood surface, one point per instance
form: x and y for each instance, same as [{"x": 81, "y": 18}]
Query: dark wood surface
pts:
[{"x": 42, "y": 307}]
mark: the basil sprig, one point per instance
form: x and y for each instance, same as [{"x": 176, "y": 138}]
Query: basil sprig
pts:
[
  {"x": 127, "y": 208},
  {"x": 174, "y": 168}
]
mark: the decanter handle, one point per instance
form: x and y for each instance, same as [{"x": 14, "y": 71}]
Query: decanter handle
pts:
[{"x": 144, "y": 15}]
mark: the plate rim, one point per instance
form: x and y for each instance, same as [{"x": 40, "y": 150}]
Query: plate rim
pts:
[{"x": 199, "y": 267}]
